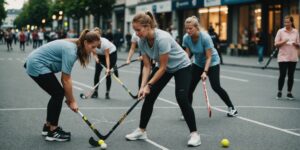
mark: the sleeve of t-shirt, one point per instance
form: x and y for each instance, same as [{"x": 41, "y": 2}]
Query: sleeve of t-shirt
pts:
[
  {"x": 277, "y": 37},
  {"x": 164, "y": 46},
  {"x": 207, "y": 42},
  {"x": 141, "y": 47},
  {"x": 134, "y": 39},
  {"x": 68, "y": 60}
]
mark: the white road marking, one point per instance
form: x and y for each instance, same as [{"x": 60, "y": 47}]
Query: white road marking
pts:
[
  {"x": 77, "y": 88},
  {"x": 155, "y": 144},
  {"x": 255, "y": 74},
  {"x": 260, "y": 123},
  {"x": 236, "y": 79},
  {"x": 82, "y": 84}
]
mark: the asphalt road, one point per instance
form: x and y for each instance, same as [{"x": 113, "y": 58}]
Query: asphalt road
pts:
[{"x": 263, "y": 123}]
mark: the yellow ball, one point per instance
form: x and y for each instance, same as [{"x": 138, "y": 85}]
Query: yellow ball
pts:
[
  {"x": 225, "y": 143},
  {"x": 100, "y": 142}
]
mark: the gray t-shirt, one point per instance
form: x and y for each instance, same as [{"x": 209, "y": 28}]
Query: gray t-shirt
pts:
[
  {"x": 105, "y": 44},
  {"x": 56, "y": 56},
  {"x": 164, "y": 43}
]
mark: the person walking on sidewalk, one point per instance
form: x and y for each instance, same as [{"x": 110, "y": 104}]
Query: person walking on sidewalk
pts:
[
  {"x": 59, "y": 56},
  {"x": 259, "y": 40},
  {"x": 173, "y": 62},
  {"x": 22, "y": 39},
  {"x": 216, "y": 41},
  {"x": 107, "y": 56},
  {"x": 287, "y": 40},
  {"x": 206, "y": 61}
]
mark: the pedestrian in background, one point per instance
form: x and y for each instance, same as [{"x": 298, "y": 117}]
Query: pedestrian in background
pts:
[
  {"x": 216, "y": 41},
  {"x": 172, "y": 62},
  {"x": 259, "y": 40},
  {"x": 107, "y": 56},
  {"x": 206, "y": 61},
  {"x": 287, "y": 40},
  {"x": 22, "y": 39},
  {"x": 59, "y": 56}
]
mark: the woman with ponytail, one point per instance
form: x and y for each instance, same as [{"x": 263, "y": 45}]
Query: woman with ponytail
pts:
[
  {"x": 287, "y": 40},
  {"x": 172, "y": 62},
  {"x": 206, "y": 62},
  {"x": 106, "y": 54},
  {"x": 59, "y": 56}
]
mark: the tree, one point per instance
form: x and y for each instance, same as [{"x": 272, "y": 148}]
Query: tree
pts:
[
  {"x": 2, "y": 11},
  {"x": 100, "y": 7}
]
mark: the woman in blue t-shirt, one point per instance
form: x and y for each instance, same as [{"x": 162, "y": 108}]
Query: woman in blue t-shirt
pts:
[
  {"x": 172, "y": 62},
  {"x": 59, "y": 56},
  {"x": 206, "y": 61}
]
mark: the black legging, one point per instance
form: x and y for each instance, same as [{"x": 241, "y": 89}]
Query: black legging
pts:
[
  {"x": 214, "y": 79},
  {"x": 50, "y": 84},
  {"x": 182, "y": 88},
  {"x": 98, "y": 69},
  {"x": 288, "y": 67}
]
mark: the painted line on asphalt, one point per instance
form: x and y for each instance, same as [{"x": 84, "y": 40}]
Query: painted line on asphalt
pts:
[
  {"x": 298, "y": 129},
  {"x": 155, "y": 144},
  {"x": 259, "y": 123},
  {"x": 243, "y": 118},
  {"x": 255, "y": 74},
  {"x": 232, "y": 78},
  {"x": 77, "y": 88},
  {"x": 82, "y": 84}
]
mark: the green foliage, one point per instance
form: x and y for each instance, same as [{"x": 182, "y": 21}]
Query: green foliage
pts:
[{"x": 2, "y": 11}]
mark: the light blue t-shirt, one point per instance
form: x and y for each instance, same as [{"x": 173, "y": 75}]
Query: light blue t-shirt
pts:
[
  {"x": 105, "y": 44},
  {"x": 56, "y": 56},
  {"x": 164, "y": 43},
  {"x": 198, "y": 49}
]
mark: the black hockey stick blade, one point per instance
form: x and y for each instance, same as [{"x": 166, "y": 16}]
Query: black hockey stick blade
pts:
[
  {"x": 93, "y": 142},
  {"x": 134, "y": 96}
]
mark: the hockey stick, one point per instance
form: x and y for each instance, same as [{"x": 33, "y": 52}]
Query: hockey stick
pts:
[
  {"x": 95, "y": 143},
  {"x": 89, "y": 93},
  {"x": 206, "y": 98},
  {"x": 270, "y": 58},
  {"x": 84, "y": 118},
  {"x": 123, "y": 85}
]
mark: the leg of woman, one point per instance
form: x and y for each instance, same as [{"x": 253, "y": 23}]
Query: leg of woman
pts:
[
  {"x": 282, "y": 73},
  {"x": 214, "y": 79},
  {"x": 182, "y": 90},
  {"x": 147, "y": 107},
  {"x": 291, "y": 71},
  {"x": 195, "y": 78},
  {"x": 50, "y": 84}
]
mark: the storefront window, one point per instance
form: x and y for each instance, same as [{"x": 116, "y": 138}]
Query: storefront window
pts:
[
  {"x": 215, "y": 17},
  {"x": 294, "y": 11}
]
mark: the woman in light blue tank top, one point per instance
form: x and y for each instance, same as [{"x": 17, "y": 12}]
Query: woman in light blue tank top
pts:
[
  {"x": 59, "y": 56},
  {"x": 172, "y": 62},
  {"x": 206, "y": 61}
]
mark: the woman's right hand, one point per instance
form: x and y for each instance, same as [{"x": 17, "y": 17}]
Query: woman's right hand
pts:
[
  {"x": 72, "y": 105},
  {"x": 128, "y": 61}
]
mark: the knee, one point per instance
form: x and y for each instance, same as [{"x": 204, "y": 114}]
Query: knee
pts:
[
  {"x": 59, "y": 94},
  {"x": 182, "y": 94}
]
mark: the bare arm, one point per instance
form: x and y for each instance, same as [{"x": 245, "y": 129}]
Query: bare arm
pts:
[
  {"x": 208, "y": 54},
  {"x": 131, "y": 52},
  {"x": 107, "y": 59},
  {"x": 188, "y": 51},
  {"x": 67, "y": 84}
]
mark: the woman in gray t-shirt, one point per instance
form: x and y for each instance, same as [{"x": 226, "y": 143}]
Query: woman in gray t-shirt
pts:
[{"x": 172, "y": 61}]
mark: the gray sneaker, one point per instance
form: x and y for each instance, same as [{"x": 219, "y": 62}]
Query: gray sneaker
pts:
[{"x": 232, "y": 112}]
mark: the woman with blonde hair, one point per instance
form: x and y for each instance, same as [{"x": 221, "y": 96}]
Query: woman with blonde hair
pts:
[
  {"x": 172, "y": 61},
  {"x": 287, "y": 40},
  {"x": 59, "y": 56},
  {"x": 206, "y": 61}
]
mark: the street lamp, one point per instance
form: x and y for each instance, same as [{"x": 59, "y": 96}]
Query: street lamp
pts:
[{"x": 43, "y": 21}]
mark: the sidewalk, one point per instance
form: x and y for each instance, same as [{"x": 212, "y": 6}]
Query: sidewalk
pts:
[{"x": 238, "y": 61}]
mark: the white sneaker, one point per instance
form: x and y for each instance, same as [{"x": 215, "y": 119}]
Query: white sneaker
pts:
[
  {"x": 232, "y": 112},
  {"x": 194, "y": 140},
  {"x": 136, "y": 135}
]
